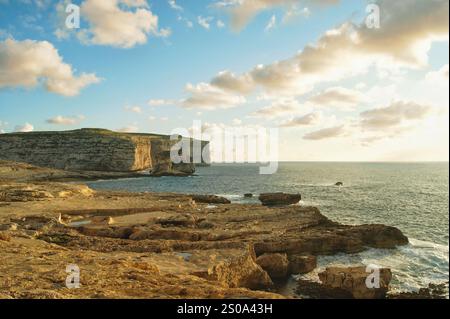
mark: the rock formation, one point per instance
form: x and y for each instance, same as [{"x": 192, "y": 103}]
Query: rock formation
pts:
[
  {"x": 299, "y": 264},
  {"x": 279, "y": 199},
  {"x": 94, "y": 150},
  {"x": 210, "y": 199},
  {"x": 354, "y": 280},
  {"x": 160, "y": 245}
]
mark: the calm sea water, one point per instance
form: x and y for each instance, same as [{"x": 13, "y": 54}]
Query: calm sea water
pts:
[{"x": 411, "y": 196}]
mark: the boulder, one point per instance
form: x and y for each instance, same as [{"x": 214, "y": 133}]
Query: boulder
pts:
[
  {"x": 302, "y": 264},
  {"x": 279, "y": 199},
  {"x": 248, "y": 195},
  {"x": 241, "y": 272},
  {"x": 276, "y": 265},
  {"x": 339, "y": 184},
  {"x": 210, "y": 199},
  {"x": 357, "y": 282}
]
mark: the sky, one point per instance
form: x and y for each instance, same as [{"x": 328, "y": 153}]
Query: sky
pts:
[{"x": 338, "y": 80}]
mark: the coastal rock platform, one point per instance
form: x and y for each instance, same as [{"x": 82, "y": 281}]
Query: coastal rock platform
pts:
[{"x": 159, "y": 245}]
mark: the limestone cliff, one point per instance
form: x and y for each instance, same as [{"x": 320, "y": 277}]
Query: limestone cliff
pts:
[{"x": 93, "y": 150}]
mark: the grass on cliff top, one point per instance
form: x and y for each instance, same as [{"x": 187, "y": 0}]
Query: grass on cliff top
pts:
[{"x": 89, "y": 131}]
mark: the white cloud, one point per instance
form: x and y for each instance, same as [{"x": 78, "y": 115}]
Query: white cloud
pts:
[
  {"x": 134, "y": 109},
  {"x": 119, "y": 23},
  {"x": 295, "y": 11},
  {"x": 205, "y": 22},
  {"x": 394, "y": 116},
  {"x": 27, "y": 63},
  {"x": 173, "y": 4},
  {"x": 3, "y": 125},
  {"x": 161, "y": 102},
  {"x": 227, "y": 80},
  {"x": 279, "y": 107},
  {"x": 439, "y": 76},
  {"x": 338, "y": 97},
  {"x": 271, "y": 23},
  {"x": 128, "y": 129},
  {"x": 206, "y": 96},
  {"x": 351, "y": 49},
  {"x": 308, "y": 119},
  {"x": 220, "y": 24},
  {"x": 326, "y": 133},
  {"x": 62, "y": 120},
  {"x": 242, "y": 11},
  {"x": 27, "y": 127}
]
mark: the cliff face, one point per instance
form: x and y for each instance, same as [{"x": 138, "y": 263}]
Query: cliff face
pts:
[{"x": 89, "y": 150}]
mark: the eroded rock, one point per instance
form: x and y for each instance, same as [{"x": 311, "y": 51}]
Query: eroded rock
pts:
[
  {"x": 276, "y": 265},
  {"x": 241, "y": 271},
  {"x": 279, "y": 199},
  {"x": 302, "y": 264},
  {"x": 210, "y": 199},
  {"x": 357, "y": 282}
]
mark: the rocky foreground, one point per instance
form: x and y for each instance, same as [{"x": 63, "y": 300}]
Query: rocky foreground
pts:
[{"x": 150, "y": 245}]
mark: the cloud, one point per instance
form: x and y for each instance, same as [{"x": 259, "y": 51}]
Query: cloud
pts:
[
  {"x": 205, "y": 22},
  {"x": 278, "y": 108},
  {"x": 128, "y": 129},
  {"x": 173, "y": 4},
  {"x": 3, "y": 125},
  {"x": 326, "y": 133},
  {"x": 394, "y": 115},
  {"x": 161, "y": 102},
  {"x": 295, "y": 11},
  {"x": 439, "y": 76},
  {"x": 407, "y": 30},
  {"x": 338, "y": 97},
  {"x": 242, "y": 11},
  {"x": 209, "y": 97},
  {"x": 62, "y": 120},
  {"x": 271, "y": 24},
  {"x": 308, "y": 119},
  {"x": 119, "y": 23},
  {"x": 220, "y": 24},
  {"x": 27, "y": 63},
  {"x": 227, "y": 80},
  {"x": 134, "y": 109},
  {"x": 27, "y": 127}
]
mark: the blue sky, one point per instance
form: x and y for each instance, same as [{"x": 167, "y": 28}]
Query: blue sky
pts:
[{"x": 160, "y": 67}]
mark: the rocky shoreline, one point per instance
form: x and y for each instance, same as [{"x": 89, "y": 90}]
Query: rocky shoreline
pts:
[{"x": 162, "y": 245}]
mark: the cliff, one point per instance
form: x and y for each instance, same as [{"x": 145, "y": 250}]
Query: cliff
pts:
[{"x": 93, "y": 150}]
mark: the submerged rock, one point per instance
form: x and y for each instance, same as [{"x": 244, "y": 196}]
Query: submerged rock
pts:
[
  {"x": 248, "y": 195},
  {"x": 279, "y": 199},
  {"x": 356, "y": 281},
  {"x": 339, "y": 184}
]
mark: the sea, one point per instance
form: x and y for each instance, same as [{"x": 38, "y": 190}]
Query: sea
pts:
[{"x": 411, "y": 196}]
